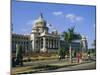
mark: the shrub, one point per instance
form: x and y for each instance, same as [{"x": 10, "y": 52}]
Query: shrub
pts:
[
  {"x": 62, "y": 53},
  {"x": 19, "y": 56}
]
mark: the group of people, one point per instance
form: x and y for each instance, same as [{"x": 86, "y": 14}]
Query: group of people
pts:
[{"x": 78, "y": 56}]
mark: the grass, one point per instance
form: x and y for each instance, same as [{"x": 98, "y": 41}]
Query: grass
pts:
[
  {"x": 21, "y": 69},
  {"x": 41, "y": 57},
  {"x": 33, "y": 69}
]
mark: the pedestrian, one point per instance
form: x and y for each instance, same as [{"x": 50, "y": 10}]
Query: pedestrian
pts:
[{"x": 78, "y": 57}]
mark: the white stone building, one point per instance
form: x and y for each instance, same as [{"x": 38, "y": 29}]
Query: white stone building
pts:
[
  {"x": 23, "y": 40},
  {"x": 41, "y": 40},
  {"x": 84, "y": 44}
]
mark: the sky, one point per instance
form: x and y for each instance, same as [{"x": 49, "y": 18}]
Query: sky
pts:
[{"x": 60, "y": 16}]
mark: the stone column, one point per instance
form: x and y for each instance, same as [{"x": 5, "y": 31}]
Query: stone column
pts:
[
  {"x": 52, "y": 43},
  {"x": 44, "y": 45},
  {"x": 40, "y": 43},
  {"x": 55, "y": 43},
  {"x": 58, "y": 43},
  {"x": 44, "y": 42},
  {"x": 48, "y": 42}
]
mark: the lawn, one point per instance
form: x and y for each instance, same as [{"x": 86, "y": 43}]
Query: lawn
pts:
[{"x": 37, "y": 56}]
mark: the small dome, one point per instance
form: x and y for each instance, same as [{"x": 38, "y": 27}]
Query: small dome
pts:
[
  {"x": 55, "y": 32},
  {"x": 40, "y": 22},
  {"x": 83, "y": 37}
]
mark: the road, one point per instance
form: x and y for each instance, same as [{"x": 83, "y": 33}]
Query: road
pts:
[
  {"x": 68, "y": 66},
  {"x": 85, "y": 66}
]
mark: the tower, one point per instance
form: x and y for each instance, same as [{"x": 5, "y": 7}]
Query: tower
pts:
[
  {"x": 84, "y": 44},
  {"x": 41, "y": 24},
  {"x": 39, "y": 28}
]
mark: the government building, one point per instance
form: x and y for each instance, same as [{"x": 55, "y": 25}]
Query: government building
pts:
[{"x": 41, "y": 40}]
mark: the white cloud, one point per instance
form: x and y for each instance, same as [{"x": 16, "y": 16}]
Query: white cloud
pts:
[
  {"x": 71, "y": 17},
  {"x": 58, "y": 13},
  {"x": 79, "y": 18},
  {"x": 74, "y": 18}
]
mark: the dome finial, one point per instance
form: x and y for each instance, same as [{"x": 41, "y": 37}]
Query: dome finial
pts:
[{"x": 41, "y": 15}]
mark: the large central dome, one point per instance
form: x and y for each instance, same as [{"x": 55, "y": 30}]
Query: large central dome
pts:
[{"x": 40, "y": 22}]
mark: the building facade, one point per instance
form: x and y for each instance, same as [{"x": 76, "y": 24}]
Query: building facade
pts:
[
  {"x": 23, "y": 40},
  {"x": 84, "y": 44},
  {"x": 41, "y": 40}
]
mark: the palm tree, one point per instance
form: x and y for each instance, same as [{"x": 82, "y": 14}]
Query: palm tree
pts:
[
  {"x": 69, "y": 36},
  {"x": 94, "y": 47},
  {"x": 94, "y": 43}
]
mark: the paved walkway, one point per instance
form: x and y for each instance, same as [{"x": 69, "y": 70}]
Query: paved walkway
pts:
[
  {"x": 85, "y": 66},
  {"x": 28, "y": 66}
]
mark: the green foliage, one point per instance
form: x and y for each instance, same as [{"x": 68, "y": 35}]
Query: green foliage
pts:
[
  {"x": 62, "y": 52},
  {"x": 19, "y": 57},
  {"x": 94, "y": 43},
  {"x": 70, "y": 35},
  {"x": 92, "y": 50},
  {"x": 18, "y": 51}
]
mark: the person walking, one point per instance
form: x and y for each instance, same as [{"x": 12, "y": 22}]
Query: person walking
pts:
[{"x": 77, "y": 56}]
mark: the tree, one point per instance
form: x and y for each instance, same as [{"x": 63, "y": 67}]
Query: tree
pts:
[
  {"x": 69, "y": 36},
  {"x": 62, "y": 53},
  {"x": 94, "y": 43},
  {"x": 19, "y": 56},
  {"x": 94, "y": 47}
]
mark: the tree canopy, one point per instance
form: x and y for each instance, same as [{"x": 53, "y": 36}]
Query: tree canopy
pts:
[{"x": 71, "y": 35}]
